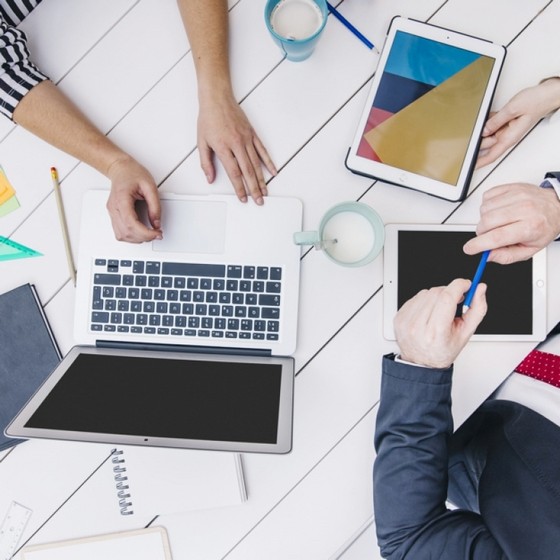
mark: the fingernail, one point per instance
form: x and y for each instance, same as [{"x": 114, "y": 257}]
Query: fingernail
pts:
[
  {"x": 243, "y": 199},
  {"x": 260, "y": 201}
]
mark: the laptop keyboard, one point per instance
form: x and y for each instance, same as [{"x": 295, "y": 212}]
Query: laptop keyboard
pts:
[{"x": 186, "y": 300}]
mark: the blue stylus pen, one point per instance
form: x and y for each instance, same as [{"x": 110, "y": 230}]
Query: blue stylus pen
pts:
[
  {"x": 350, "y": 27},
  {"x": 476, "y": 280}
]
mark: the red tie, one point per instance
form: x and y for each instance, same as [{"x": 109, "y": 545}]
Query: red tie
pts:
[{"x": 542, "y": 366}]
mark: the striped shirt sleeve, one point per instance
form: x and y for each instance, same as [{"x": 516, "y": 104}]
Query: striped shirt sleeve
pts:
[{"x": 18, "y": 75}]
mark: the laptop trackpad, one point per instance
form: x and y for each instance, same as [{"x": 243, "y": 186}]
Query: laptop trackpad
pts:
[{"x": 192, "y": 227}]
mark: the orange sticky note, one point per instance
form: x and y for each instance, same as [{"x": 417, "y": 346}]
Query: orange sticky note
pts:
[{"x": 6, "y": 189}]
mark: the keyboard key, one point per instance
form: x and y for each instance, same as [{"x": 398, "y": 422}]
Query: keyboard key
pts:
[
  {"x": 163, "y": 330},
  {"x": 108, "y": 291},
  {"x": 194, "y": 322},
  {"x": 149, "y": 330},
  {"x": 109, "y": 328},
  {"x": 173, "y": 295},
  {"x": 153, "y": 267},
  {"x": 275, "y": 273},
  {"x": 218, "y": 284},
  {"x": 167, "y": 321},
  {"x": 185, "y": 295},
  {"x": 270, "y": 313},
  {"x": 240, "y": 311},
  {"x": 136, "y": 306},
  {"x": 116, "y": 318},
  {"x": 100, "y": 317},
  {"x": 107, "y": 279},
  {"x": 254, "y": 312},
  {"x": 138, "y": 267},
  {"x": 159, "y": 294},
  {"x": 120, "y": 293},
  {"x": 123, "y": 305},
  {"x": 155, "y": 320},
  {"x": 251, "y": 299},
  {"x": 262, "y": 272},
  {"x": 238, "y": 299},
  {"x": 273, "y": 287},
  {"x": 186, "y": 269},
  {"x": 249, "y": 272},
  {"x": 140, "y": 280},
  {"x": 233, "y": 324},
  {"x": 258, "y": 286},
  {"x": 146, "y": 293},
  {"x": 205, "y": 283},
  {"x": 217, "y": 334},
  {"x": 234, "y": 271},
  {"x": 133, "y": 293},
  {"x": 273, "y": 326},
  {"x": 174, "y": 308},
  {"x": 161, "y": 307},
  {"x": 110, "y": 304},
  {"x": 128, "y": 280},
  {"x": 258, "y": 336},
  {"x": 246, "y": 325},
  {"x": 271, "y": 336},
  {"x": 123, "y": 329},
  {"x": 260, "y": 325},
  {"x": 126, "y": 263},
  {"x": 180, "y": 321},
  {"x": 153, "y": 281},
  {"x": 265, "y": 299},
  {"x": 244, "y": 286},
  {"x": 166, "y": 282},
  {"x": 179, "y": 283},
  {"x": 148, "y": 307},
  {"x": 188, "y": 308},
  {"x": 128, "y": 318},
  {"x": 203, "y": 333},
  {"x": 244, "y": 334},
  {"x": 100, "y": 262}
]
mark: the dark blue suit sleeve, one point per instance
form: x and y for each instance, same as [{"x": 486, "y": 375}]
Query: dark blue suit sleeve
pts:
[{"x": 414, "y": 424}]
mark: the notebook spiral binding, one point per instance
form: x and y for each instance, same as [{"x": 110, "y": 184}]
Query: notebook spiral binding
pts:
[{"x": 122, "y": 486}]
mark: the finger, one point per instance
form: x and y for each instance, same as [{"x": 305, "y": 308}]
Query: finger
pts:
[
  {"x": 206, "y": 163},
  {"x": 128, "y": 227},
  {"x": 487, "y": 142},
  {"x": 477, "y": 310},
  {"x": 235, "y": 175},
  {"x": 151, "y": 196},
  {"x": 250, "y": 166},
  {"x": 444, "y": 312},
  {"x": 264, "y": 156},
  {"x": 511, "y": 254},
  {"x": 497, "y": 121}
]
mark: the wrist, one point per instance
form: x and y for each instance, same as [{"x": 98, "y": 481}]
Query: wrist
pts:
[{"x": 551, "y": 86}]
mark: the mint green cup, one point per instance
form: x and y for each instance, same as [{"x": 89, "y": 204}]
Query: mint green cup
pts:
[
  {"x": 350, "y": 234},
  {"x": 296, "y": 25}
]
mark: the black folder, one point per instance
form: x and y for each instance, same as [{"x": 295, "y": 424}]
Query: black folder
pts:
[{"x": 28, "y": 352}]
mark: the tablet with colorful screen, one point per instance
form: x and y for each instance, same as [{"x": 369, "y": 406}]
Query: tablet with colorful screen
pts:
[{"x": 424, "y": 115}]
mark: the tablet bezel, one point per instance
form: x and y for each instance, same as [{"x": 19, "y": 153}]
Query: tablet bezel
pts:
[
  {"x": 17, "y": 428},
  {"x": 396, "y": 176},
  {"x": 390, "y": 284}
]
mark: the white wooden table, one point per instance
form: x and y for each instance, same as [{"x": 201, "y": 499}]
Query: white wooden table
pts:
[{"x": 315, "y": 502}]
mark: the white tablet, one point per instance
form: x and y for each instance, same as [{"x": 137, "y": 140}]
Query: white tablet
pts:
[
  {"x": 166, "y": 399},
  {"x": 424, "y": 256},
  {"x": 430, "y": 96}
]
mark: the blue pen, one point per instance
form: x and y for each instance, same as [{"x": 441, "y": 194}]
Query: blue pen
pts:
[
  {"x": 476, "y": 280},
  {"x": 349, "y": 26}
]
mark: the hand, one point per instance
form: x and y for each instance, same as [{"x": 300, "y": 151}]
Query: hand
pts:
[
  {"x": 224, "y": 129},
  {"x": 131, "y": 182},
  {"x": 428, "y": 333},
  {"x": 516, "y": 221},
  {"x": 508, "y": 126}
]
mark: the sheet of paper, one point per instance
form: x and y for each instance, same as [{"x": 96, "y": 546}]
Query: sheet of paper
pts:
[{"x": 142, "y": 544}]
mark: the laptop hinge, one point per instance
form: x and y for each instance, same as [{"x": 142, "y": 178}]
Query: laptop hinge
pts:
[{"x": 180, "y": 348}]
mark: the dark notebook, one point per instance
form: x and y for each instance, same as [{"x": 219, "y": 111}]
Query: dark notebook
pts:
[{"x": 28, "y": 353}]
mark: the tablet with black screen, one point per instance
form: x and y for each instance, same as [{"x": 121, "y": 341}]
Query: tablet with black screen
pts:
[
  {"x": 167, "y": 399},
  {"x": 422, "y": 121},
  {"x": 423, "y": 256}
]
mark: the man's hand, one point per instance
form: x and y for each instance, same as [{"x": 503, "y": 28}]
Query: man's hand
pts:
[
  {"x": 131, "y": 182},
  {"x": 224, "y": 129},
  {"x": 516, "y": 221},
  {"x": 428, "y": 333},
  {"x": 509, "y": 125}
]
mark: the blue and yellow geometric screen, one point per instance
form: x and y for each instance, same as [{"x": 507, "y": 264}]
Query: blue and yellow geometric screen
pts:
[{"x": 425, "y": 107}]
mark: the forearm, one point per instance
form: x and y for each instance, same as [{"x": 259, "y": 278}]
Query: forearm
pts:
[
  {"x": 206, "y": 24},
  {"x": 414, "y": 423},
  {"x": 48, "y": 113}
]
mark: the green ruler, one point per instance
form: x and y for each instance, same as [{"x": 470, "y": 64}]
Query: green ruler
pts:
[{"x": 11, "y": 250}]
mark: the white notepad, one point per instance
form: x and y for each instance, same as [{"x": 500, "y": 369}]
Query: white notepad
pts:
[
  {"x": 159, "y": 481},
  {"x": 142, "y": 544}
]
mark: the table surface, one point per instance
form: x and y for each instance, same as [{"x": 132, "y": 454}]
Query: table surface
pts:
[{"x": 138, "y": 85}]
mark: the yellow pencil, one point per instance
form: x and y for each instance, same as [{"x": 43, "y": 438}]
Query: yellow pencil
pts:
[{"x": 62, "y": 217}]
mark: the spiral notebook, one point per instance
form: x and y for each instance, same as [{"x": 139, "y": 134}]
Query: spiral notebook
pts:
[{"x": 159, "y": 481}]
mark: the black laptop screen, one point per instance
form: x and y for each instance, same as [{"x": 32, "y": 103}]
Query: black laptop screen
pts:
[{"x": 187, "y": 399}]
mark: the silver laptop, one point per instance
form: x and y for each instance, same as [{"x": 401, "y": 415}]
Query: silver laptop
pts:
[
  {"x": 222, "y": 287},
  {"x": 225, "y": 276}
]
